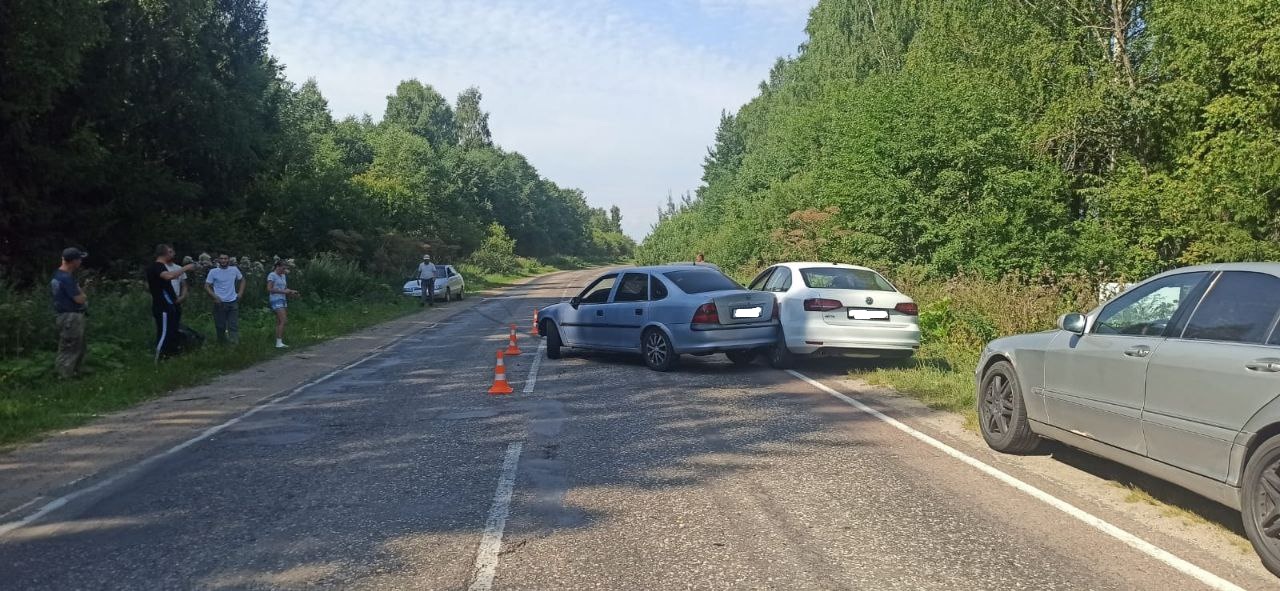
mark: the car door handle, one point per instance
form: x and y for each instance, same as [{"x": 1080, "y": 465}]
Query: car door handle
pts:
[
  {"x": 1138, "y": 351},
  {"x": 1266, "y": 365},
  {"x": 639, "y": 311},
  {"x": 599, "y": 312}
]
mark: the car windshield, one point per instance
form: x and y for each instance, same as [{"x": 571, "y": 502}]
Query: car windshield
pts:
[
  {"x": 841, "y": 278},
  {"x": 701, "y": 280}
]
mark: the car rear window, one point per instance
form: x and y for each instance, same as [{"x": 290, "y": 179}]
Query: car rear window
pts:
[
  {"x": 701, "y": 280},
  {"x": 839, "y": 278}
]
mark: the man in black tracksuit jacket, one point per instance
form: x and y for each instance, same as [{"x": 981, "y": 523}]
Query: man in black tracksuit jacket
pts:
[{"x": 164, "y": 303}]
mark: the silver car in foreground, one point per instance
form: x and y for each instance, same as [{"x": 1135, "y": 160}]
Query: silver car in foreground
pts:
[
  {"x": 663, "y": 312},
  {"x": 1178, "y": 377}
]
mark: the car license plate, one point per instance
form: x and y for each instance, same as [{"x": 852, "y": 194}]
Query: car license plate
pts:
[
  {"x": 856, "y": 314},
  {"x": 748, "y": 312}
]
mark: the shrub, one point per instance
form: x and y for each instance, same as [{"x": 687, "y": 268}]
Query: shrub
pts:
[{"x": 497, "y": 254}]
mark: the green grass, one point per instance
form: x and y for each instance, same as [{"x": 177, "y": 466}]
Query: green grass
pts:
[
  {"x": 29, "y": 409},
  {"x": 929, "y": 378}
]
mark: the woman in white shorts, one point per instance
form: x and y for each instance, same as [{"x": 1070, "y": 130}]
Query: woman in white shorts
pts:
[{"x": 278, "y": 294}]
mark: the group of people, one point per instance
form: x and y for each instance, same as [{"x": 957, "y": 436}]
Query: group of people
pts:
[{"x": 167, "y": 284}]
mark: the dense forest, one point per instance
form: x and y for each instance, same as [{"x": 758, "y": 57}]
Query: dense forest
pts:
[
  {"x": 126, "y": 123},
  {"x": 998, "y": 137}
]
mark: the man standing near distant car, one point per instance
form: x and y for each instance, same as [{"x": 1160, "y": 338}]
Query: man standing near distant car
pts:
[
  {"x": 427, "y": 277},
  {"x": 225, "y": 285},
  {"x": 163, "y": 299},
  {"x": 70, "y": 304}
]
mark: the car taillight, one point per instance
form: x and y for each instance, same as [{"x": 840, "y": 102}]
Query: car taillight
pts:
[
  {"x": 775, "y": 309},
  {"x": 821, "y": 305},
  {"x": 908, "y": 308},
  {"x": 706, "y": 314}
]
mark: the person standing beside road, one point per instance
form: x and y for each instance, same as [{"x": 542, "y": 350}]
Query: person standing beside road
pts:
[
  {"x": 70, "y": 305},
  {"x": 221, "y": 283},
  {"x": 179, "y": 288},
  {"x": 278, "y": 295},
  {"x": 427, "y": 278},
  {"x": 164, "y": 300}
]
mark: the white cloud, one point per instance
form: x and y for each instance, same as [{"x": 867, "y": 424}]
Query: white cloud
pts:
[{"x": 605, "y": 97}]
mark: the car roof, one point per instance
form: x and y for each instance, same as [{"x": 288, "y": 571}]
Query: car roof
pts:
[
  {"x": 664, "y": 268},
  {"x": 807, "y": 264},
  {"x": 1268, "y": 268}
]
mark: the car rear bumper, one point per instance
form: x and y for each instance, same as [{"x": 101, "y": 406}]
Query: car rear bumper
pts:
[
  {"x": 853, "y": 341},
  {"x": 687, "y": 340}
]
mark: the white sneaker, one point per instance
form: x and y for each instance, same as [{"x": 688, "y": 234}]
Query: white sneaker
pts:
[{"x": 281, "y": 346}]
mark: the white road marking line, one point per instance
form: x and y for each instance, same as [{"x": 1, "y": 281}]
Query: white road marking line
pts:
[
  {"x": 491, "y": 542},
  {"x": 63, "y": 500},
  {"x": 1139, "y": 544},
  {"x": 530, "y": 381},
  {"x": 21, "y": 507}
]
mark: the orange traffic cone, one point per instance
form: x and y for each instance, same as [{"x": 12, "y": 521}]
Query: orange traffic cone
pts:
[
  {"x": 512, "y": 349},
  {"x": 534, "y": 332},
  {"x": 500, "y": 385}
]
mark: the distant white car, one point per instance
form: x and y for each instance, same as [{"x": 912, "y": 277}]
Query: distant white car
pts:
[
  {"x": 449, "y": 284},
  {"x": 832, "y": 309}
]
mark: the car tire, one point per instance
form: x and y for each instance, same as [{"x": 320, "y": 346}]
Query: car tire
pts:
[
  {"x": 462, "y": 293},
  {"x": 657, "y": 351},
  {"x": 742, "y": 357},
  {"x": 1002, "y": 411},
  {"x": 1260, "y": 503},
  {"x": 780, "y": 357},
  {"x": 553, "y": 339}
]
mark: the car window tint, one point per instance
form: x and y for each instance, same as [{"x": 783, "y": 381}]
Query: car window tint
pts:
[
  {"x": 1148, "y": 308},
  {"x": 759, "y": 282},
  {"x": 658, "y": 291},
  {"x": 1239, "y": 308},
  {"x": 701, "y": 281},
  {"x": 634, "y": 288},
  {"x": 780, "y": 281},
  {"x": 598, "y": 292},
  {"x": 841, "y": 278}
]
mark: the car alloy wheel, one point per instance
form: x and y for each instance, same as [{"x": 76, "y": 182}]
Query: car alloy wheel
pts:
[
  {"x": 1260, "y": 502},
  {"x": 1002, "y": 414},
  {"x": 997, "y": 404},
  {"x": 657, "y": 350}
]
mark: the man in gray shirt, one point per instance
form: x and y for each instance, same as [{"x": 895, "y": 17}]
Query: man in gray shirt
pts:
[
  {"x": 70, "y": 305},
  {"x": 427, "y": 278},
  {"x": 225, "y": 285}
]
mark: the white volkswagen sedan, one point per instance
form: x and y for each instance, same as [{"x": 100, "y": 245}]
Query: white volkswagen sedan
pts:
[
  {"x": 833, "y": 309},
  {"x": 449, "y": 284}
]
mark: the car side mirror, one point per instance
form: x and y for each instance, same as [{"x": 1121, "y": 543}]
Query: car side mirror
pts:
[
  {"x": 575, "y": 301},
  {"x": 1073, "y": 323}
]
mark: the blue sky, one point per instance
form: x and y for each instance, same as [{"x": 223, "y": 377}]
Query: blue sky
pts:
[{"x": 619, "y": 99}]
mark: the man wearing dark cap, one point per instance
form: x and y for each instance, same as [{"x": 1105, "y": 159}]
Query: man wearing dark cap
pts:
[{"x": 69, "y": 304}]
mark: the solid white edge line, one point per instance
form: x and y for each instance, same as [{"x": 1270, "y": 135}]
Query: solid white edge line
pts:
[
  {"x": 63, "y": 500},
  {"x": 532, "y": 380},
  {"x": 491, "y": 542},
  {"x": 1139, "y": 544}
]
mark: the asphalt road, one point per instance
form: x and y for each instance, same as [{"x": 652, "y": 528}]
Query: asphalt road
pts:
[{"x": 395, "y": 474}]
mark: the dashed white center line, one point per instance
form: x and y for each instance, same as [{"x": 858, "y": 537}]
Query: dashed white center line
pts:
[
  {"x": 1211, "y": 580},
  {"x": 491, "y": 542}
]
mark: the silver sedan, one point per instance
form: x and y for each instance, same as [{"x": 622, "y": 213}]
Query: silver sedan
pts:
[
  {"x": 663, "y": 312},
  {"x": 1178, "y": 377}
]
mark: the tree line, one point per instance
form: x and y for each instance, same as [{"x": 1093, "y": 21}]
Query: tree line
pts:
[
  {"x": 1002, "y": 137},
  {"x": 126, "y": 123}
]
